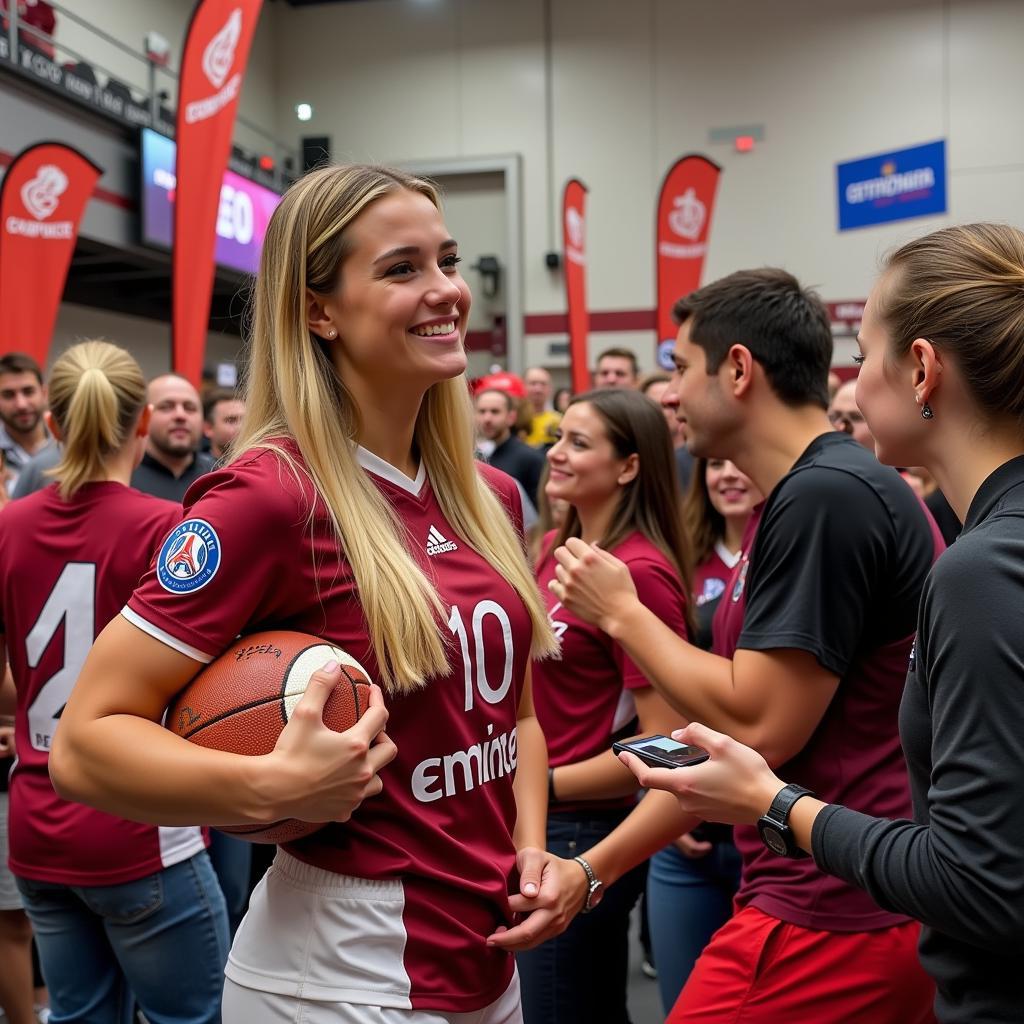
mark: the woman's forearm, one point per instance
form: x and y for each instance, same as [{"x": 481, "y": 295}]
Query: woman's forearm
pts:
[
  {"x": 531, "y": 784},
  {"x": 602, "y": 777},
  {"x": 110, "y": 752},
  {"x": 136, "y": 769},
  {"x": 652, "y": 825}
]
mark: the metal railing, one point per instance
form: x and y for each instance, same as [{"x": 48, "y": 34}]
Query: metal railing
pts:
[{"x": 146, "y": 98}]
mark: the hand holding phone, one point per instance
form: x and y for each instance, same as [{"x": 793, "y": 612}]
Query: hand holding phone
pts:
[{"x": 662, "y": 751}]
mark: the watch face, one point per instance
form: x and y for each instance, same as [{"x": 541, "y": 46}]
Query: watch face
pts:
[{"x": 773, "y": 839}]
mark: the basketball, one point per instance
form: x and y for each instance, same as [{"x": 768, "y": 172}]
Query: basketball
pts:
[{"x": 241, "y": 701}]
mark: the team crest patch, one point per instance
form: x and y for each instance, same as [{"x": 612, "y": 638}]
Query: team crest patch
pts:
[
  {"x": 189, "y": 558},
  {"x": 713, "y": 588},
  {"x": 741, "y": 581}
]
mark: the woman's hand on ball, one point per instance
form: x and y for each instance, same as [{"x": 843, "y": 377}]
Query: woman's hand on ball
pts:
[{"x": 317, "y": 774}]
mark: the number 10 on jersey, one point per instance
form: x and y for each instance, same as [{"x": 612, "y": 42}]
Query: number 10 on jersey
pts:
[{"x": 478, "y": 618}]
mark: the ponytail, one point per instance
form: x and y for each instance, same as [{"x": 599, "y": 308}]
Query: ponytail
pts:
[{"x": 96, "y": 394}]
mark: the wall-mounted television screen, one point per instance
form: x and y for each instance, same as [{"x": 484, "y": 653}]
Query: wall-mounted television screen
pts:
[{"x": 242, "y": 216}]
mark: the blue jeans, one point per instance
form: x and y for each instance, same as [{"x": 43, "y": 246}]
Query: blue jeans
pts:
[
  {"x": 161, "y": 940},
  {"x": 579, "y": 977},
  {"x": 232, "y": 861},
  {"x": 687, "y": 902}
]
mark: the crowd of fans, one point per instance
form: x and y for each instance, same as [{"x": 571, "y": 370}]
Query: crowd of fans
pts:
[{"x": 678, "y": 588}]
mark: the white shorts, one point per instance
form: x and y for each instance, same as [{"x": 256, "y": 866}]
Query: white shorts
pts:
[
  {"x": 316, "y": 946},
  {"x": 247, "y": 1006},
  {"x": 10, "y": 898}
]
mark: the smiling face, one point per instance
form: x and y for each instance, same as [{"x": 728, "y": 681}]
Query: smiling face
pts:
[
  {"x": 401, "y": 306},
  {"x": 732, "y": 493},
  {"x": 584, "y": 468}
]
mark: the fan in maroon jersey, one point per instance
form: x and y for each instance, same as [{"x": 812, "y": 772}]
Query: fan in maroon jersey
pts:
[
  {"x": 70, "y": 556},
  {"x": 352, "y": 509},
  {"x": 613, "y": 463}
]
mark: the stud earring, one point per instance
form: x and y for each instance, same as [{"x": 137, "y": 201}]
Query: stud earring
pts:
[
  {"x": 926, "y": 412},
  {"x": 332, "y": 333}
]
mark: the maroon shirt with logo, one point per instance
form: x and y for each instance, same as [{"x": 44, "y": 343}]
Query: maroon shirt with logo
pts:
[
  {"x": 66, "y": 568},
  {"x": 834, "y": 563},
  {"x": 584, "y": 694},
  {"x": 443, "y": 823}
]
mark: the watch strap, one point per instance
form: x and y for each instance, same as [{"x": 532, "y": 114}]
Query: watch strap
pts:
[
  {"x": 593, "y": 883},
  {"x": 783, "y": 802}
]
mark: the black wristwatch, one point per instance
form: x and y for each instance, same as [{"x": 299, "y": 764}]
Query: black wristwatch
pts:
[{"x": 773, "y": 825}]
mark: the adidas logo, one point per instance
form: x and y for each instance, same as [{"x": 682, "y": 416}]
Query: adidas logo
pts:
[{"x": 438, "y": 544}]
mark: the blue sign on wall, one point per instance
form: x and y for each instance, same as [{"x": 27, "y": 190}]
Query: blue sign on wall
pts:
[{"x": 892, "y": 186}]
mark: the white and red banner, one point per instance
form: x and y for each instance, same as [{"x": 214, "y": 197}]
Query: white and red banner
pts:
[
  {"x": 212, "y": 69},
  {"x": 574, "y": 251},
  {"x": 685, "y": 206},
  {"x": 42, "y": 199}
]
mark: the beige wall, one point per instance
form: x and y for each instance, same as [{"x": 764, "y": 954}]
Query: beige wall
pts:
[
  {"x": 636, "y": 84},
  {"x": 632, "y": 86},
  {"x": 149, "y": 341}
]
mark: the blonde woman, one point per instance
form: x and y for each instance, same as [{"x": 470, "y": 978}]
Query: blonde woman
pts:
[
  {"x": 354, "y": 510},
  {"x": 119, "y": 909}
]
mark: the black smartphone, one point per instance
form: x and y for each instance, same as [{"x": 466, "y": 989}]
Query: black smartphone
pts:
[{"x": 662, "y": 751}]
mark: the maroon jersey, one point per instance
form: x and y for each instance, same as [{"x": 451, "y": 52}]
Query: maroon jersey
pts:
[
  {"x": 833, "y": 564},
  {"x": 66, "y": 568},
  {"x": 248, "y": 557},
  {"x": 709, "y": 582},
  {"x": 584, "y": 695}
]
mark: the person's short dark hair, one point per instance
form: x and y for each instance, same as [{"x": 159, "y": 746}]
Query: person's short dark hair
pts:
[
  {"x": 20, "y": 362},
  {"x": 213, "y": 398},
  {"x": 621, "y": 353},
  {"x": 786, "y": 327},
  {"x": 510, "y": 402}
]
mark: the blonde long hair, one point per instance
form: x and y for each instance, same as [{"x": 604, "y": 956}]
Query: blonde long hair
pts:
[
  {"x": 97, "y": 392},
  {"x": 294, "y": 390}
]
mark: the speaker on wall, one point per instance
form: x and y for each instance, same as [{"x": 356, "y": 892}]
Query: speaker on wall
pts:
[{"x": 316, "y": 150}]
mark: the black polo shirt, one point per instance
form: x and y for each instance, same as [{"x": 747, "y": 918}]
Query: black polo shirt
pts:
[
  {"x": 833, "y": 564},
  {"x": 521, "y": 462},
  {"x": 960, "y": 869},
  {"x": 153, "y": 477}
]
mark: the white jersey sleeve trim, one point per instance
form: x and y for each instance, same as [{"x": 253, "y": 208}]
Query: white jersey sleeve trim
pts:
[{"x": 165, "y": 638}]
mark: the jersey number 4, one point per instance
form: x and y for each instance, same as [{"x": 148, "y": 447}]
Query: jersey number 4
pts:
[{"x": 72, "y": 601}]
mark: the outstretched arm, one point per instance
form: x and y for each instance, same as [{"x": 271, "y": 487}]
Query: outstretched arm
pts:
[{"x": 771, "y": 700}]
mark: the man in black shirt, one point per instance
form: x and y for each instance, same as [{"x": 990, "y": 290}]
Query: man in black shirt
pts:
[
  {"x": 172, "y": 460},
  {"x": 810, "y": 652},
  {"x": 495, "y": 417}
]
